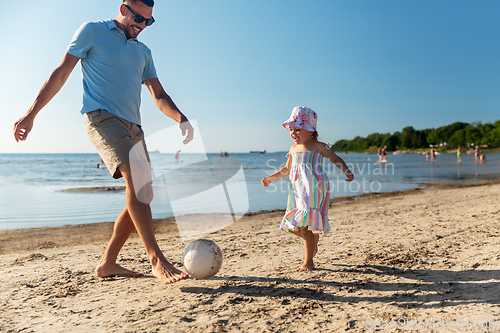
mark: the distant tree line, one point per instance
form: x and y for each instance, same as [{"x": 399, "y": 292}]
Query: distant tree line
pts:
[{"x": 454, "y": 135}]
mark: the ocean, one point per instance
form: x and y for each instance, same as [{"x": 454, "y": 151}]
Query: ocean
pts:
[{"x": 32, "y": 186}]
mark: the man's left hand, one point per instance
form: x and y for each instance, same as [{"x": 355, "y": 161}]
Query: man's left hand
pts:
[{"x": 186, "y": 129}]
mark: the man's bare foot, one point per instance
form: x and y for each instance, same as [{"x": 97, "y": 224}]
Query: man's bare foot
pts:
[
  {"x": 316, "y": 240},
  {"x": 306, "y": 267},
  {"x": 164, "y": 271},
  {"x": 113, "y": 270}
]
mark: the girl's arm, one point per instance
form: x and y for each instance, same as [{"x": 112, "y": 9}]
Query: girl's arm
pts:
[
  {"x": 338, "y": 162},
  {"x": 281, "y": 173}
]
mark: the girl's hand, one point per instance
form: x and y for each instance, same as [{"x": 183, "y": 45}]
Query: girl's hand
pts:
[
  {"x": 266, "y": 181},
  {"x": 349, "y": 175}
]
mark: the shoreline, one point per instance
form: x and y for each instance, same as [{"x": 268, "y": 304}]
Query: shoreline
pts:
[{"x": 80, "y": 234}]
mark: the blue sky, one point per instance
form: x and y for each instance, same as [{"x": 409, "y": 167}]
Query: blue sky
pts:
[{"x": 239, "y": 67}]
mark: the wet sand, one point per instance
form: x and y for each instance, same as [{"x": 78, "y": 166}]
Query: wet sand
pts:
[
  {"x": 419, "y": 259},
  {"x": 98, "y": 189}
]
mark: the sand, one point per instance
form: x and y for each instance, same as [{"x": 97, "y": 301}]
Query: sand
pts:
[{"x": 417, "y": 260}]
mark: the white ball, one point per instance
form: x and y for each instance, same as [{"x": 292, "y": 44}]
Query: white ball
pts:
[{"x": 202, "y": 259}]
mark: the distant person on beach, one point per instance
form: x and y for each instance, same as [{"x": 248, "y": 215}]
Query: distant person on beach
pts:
[
  {"x": 482, "y": 158},
  {"x": 379, "y": 154},
  {"x": 176, "y": 156},
  {"x": 433, "y": 154},
  {"x": 384, "y": 154},
  {"x": 309, "y": 195},
  {"x": 459, "y": 154},
  {"x": 115, "y": 65},
  {"x": 477, "y": 153},
  {"x": 427, "y": 156}
]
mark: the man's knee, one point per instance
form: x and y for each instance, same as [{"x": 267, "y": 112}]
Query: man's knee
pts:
[
  {"x": 139, "y": 181},
  {"x": 145, "y": 194}
]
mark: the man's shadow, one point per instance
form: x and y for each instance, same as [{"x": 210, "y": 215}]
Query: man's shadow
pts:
[{"x": 418, "y": 288}]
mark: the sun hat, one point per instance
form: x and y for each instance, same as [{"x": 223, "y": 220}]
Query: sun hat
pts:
[{"x": 302, "y": 117}]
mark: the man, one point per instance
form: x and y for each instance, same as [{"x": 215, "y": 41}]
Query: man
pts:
[{"x": 114, "y": 65}]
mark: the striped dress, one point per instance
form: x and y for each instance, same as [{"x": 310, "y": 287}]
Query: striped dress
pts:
[{"x": 309, "y": 194}]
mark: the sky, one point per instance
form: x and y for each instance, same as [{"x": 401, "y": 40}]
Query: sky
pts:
[{"x": 239, "y": 67}]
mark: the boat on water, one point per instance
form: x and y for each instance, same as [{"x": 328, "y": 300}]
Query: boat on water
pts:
[{"x": 258, "y": 151}]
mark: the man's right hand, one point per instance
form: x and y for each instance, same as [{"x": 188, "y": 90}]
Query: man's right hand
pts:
[
  {"x": 50, "y": 88},
  {"x": 22, "y": 127}
]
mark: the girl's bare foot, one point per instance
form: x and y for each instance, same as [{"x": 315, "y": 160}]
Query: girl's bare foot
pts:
[
  {"x": 107, "y": 270},
  {"x": 306, "y": 267},
  {"x": 316, "y": 240},
  {"x": 167, "y": 273}
]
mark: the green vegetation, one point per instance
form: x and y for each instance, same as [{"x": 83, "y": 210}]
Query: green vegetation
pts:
[{"x": 451, "y": 136}]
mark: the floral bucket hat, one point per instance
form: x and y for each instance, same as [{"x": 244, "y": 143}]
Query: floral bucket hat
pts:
[{"x": 302, "y": 117}]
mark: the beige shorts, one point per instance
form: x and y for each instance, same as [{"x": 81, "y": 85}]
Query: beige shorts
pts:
[{"x": 114, "y": 138}]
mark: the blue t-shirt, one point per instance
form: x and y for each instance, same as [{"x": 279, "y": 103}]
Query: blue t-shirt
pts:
[{"x": 113, "y": 67}]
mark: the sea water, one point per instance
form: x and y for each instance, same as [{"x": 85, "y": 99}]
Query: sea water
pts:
[{"x": 32, "y": 185}]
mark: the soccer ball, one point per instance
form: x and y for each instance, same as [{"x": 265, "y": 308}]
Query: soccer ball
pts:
[{"x": 202, "y": 259}]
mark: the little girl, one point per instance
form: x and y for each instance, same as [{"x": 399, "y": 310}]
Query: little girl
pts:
[{"x": 309, "y": 190}]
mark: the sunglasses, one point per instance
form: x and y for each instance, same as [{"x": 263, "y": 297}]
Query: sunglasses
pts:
[{"x": 140, "y": 19}]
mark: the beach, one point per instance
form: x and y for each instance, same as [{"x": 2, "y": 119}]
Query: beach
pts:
[{"x": 425, "y": 259}]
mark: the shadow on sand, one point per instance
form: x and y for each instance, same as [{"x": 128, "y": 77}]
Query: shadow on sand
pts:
[{"x": 418, "y": 289}]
